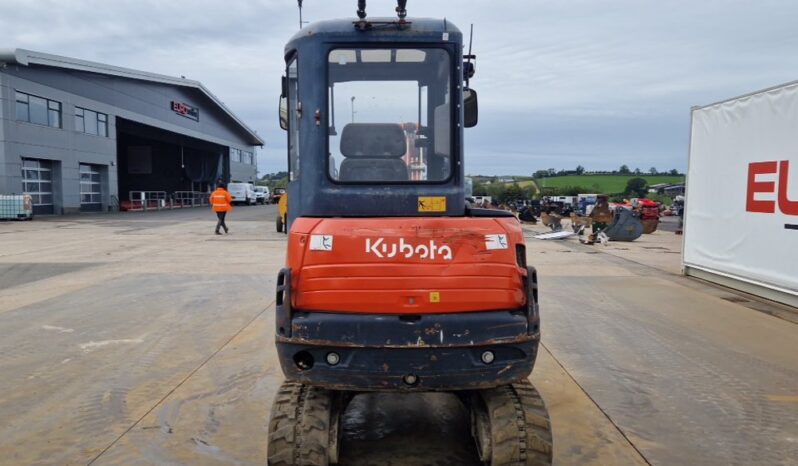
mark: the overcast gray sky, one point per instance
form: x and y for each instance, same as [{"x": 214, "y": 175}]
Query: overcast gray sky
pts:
[{"x": 561, "y": 83}]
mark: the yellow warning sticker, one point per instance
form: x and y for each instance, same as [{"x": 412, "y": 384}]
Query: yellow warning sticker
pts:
[
  {"x": 432, "y": 203},
  {"x": 434, "y": 296}
]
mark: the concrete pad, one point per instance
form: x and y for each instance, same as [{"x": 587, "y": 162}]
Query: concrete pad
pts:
[
  {"x": 14, "y": 274},
  {"x": 219, "y": 415},
  {"x": 583, "y": 434},
  {"x": 685, "y": 376},
  {"x": 155, "y": 346},
  {"x": 78, "y": 370}
]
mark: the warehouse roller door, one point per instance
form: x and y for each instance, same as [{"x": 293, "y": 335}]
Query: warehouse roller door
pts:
[
  {"x": 37, "y": 181},
  {"x": 90, "y": 188}
]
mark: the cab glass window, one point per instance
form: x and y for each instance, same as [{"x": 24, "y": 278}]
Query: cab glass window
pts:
[
  {"x": 389, "y": 115},
  {"x": 293, "y": 120}
]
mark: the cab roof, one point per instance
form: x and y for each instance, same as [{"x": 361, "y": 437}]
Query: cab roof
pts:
[{"x": 384, "y": 29}]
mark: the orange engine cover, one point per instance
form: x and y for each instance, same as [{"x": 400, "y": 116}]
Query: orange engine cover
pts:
[{"x": 405, "y": 265}]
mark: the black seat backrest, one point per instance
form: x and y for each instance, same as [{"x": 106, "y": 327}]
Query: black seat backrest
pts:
[
  {"x": 373, "y": 152},
  {"x": 363, "y": 169}
]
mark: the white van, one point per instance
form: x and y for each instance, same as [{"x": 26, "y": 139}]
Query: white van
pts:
[
  {"x": 243, "y": 193},
  {"x": 262, "y": 194}
]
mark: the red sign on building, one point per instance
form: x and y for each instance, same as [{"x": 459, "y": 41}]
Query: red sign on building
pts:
[{"x": 185, "y": 110}]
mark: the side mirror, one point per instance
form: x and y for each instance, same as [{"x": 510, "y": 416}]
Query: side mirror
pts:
[
  {"x": 470, "y": 108},
  {"x": 283, "y": 112}
]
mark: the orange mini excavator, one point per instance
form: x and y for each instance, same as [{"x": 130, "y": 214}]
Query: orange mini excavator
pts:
[{"x": 393, "y": 283}]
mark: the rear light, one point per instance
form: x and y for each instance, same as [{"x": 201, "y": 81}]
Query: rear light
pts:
[
  {"x": 520, "y": 255},
  {"x": 410, "y": 379},
  {"x": 333, "y": 359}
]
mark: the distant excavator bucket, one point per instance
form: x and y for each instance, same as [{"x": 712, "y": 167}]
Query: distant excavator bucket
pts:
[
  {"x": 625, "y": 226},
  {"x": 650, "y": 226},
  {"x": 552, "y": 220},
  {"x": 601, "y": 212}
]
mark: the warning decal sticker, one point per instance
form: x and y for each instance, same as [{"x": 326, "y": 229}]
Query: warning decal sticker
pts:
[{"x": 432, "y": 203}]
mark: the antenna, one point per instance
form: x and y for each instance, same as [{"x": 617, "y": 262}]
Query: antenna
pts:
[
  {"x": 469, "y": 69},
  {"x": 299, "y": 3},
  {"x": 470, "y": 38}
]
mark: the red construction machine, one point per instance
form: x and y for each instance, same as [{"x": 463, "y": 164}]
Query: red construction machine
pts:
[{"x": 392, "y": 283}]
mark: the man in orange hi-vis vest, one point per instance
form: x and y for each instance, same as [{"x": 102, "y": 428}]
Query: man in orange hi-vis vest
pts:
[{"x": 220, "y": 203}]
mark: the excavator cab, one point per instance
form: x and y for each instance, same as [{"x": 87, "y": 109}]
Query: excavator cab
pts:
[{"x": 392, "y": 282}]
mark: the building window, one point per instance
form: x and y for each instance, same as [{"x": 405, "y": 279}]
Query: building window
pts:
[
  {"x": 91, "y": 122},
  {"x": 235, "y": 155},
  {"x": 37, "y": 181},
  {"x": 248, "y": 158},
  {"x": 102, "y": 124},
  {"x": 38, "y": 110},
  {"x": 80, "y": 125},
  {"x": 90, "y": 188}
]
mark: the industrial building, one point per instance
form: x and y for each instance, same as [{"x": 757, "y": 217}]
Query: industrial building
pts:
[{"x": 84, "y": 136}]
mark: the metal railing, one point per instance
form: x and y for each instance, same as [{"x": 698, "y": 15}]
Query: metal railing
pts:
[
  {"x": 147, "y": 200},
  {"x": 114, "y": 204},
  {"x": 182, "y": 199},
  {"x": 160, "y": 200}
]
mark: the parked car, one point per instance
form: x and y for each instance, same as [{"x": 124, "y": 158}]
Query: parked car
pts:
[
  {"x": 278, "y": 193},
  {"x": 243, "y": 193},
  {"x": 262, "y": 194}
]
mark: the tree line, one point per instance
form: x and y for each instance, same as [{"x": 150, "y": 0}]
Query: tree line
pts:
[
  {"x": 504, "y": 193},
  {"x": 274, "y": 180},
  {"x": 622, "y": 170}
]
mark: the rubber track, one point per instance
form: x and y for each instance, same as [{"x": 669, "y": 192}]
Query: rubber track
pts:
[
  {"x": 299, "y": 427},
  {"x": 520, "y": 427}
]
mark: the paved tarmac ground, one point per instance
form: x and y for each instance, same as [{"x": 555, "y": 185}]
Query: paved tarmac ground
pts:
[
  {"x": 142, "y": 338},
  {"x": 668, "y": 224}
]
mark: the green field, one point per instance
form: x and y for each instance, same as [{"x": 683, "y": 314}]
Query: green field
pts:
[{"x": 603, "y": 184}]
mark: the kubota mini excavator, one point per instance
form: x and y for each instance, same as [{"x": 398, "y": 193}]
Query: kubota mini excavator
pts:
[{"x": 391, "y": 282}]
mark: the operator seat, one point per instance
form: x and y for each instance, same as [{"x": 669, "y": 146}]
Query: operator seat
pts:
[{"x": 373, "y": 152}]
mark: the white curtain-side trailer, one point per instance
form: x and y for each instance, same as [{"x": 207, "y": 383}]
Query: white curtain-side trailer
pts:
[{"x": 741, "y": 208}]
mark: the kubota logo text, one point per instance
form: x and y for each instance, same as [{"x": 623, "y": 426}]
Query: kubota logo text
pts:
[{"x": 381, "y": 248}]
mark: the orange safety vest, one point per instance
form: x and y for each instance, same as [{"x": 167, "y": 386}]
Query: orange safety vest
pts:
[{"x": 220, "y": 200}]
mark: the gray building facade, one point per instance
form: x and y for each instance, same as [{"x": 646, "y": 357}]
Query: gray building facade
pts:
[{"x": 82, "y": 136}]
